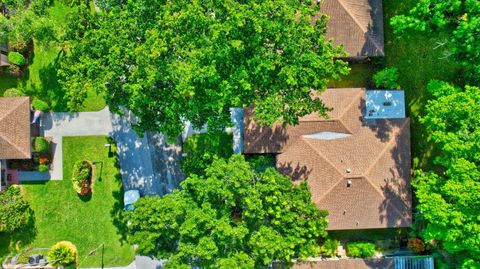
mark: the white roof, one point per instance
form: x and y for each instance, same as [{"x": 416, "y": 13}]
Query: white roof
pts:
[{"x": 385, "y": 104}]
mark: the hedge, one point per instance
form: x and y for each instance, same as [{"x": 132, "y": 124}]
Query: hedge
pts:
[
  {"x": 43, "y": 168},
  {"x": 41, "y": 145},
  {"x": 13, "y": 92},
  {"x": 16, "y": 58},
  {"x": 40, "y": 105},
  {"x": 360, "y": 249},
  {"x": 387, "y": 78}
]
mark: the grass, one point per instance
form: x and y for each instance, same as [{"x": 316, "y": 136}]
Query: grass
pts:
[
  {"x": 60, "y": 214},
  {"x": 418, "y": 62},
  {"x": 201, "y": 149},
  {"x": 41, "y": 80}
]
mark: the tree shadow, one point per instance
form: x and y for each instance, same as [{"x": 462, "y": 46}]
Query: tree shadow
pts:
[{"x": 118, "y": 214}]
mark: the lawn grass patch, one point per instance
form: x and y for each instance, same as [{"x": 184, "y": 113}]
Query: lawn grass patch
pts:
[
  {"x": 61, "y": 214},
  {"x": 7, "y": 82},
  {"x": 201, "y": 149}
]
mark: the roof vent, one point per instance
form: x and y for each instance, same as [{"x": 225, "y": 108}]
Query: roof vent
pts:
[
  {"x": 344, "y": 211},
  {"x": 348, "y": 170},
  {"x": 349, "y": 183}
]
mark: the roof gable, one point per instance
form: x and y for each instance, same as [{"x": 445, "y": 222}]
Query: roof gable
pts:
[
  {"x": 357, "y": 24},
  {"x": 15, "y": 128}
]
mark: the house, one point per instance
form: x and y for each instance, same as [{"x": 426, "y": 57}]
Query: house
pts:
[
  {"x": 15, "y": 134},
  {"x": 357, "y": 25},
  {"x": 357, "y": 162}
]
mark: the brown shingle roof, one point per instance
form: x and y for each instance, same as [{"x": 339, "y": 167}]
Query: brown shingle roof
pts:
[
  {"x": 357, "y": 24},
  {"x": 377, "y": 158},
  {"x": 348, "y": 264},
  {"x": 15, "y": 138}
]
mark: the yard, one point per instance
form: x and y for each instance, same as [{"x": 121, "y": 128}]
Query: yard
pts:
[
  {"x": 418, "y": 61},
  {"x": 41, "y": 78},
  {"x": 60, "y": 214}
]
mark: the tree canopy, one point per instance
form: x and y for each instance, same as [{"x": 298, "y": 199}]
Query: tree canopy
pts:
[
  {"x": 233, "y": 217},
  {"x": 168, "y": 61},
  {"x": 23, "y": 20},
  {"x": 450, "y": 201},
  {"x": 15, "y": 210},
  {"x": 460, "y": 19}
]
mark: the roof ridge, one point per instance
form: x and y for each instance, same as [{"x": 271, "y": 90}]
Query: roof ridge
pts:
[
  {"x": 352, "y": 17},
  {"x": 12, "y": 144},
  {"x": 26, "y": 99},
  {"x": 361, "y": 92},
  {"x": 373, "y": 164},
  {"x": 329, "y": 162},
  {"x": 383, "y": 151}
]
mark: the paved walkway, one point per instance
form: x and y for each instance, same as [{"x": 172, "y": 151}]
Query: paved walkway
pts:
[
  {"x": 147, "y": 163},
  {"x": 59, "y": 124}
]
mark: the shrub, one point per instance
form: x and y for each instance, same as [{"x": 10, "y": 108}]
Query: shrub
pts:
[
  {"x": 416, "y": 245},
  {"x": 43, "y": 159},
  {"x": 15, "y": 211},
  {"x": 387, "y": 78},
  {"x": 360, "y": 249},
  {"x": 62, "y": 253},
  {"x": 13, "y": 92},
  {"x": 202, "y": 149},
  {"x": 82, "y": 172},
  {"x": 40, "y": 105},
  {"x": 16, "y": 58},
  {"x": 41, "y": 145},
  {"x": 43, "y": 168},
  {"x": 329, "y": 248}
]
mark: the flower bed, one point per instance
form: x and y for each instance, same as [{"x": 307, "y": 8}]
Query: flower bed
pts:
[{"x": 82, "y": 177}]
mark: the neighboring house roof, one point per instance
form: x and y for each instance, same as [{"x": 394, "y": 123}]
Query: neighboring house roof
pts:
[
  {"x": 348, "y": 264},
  {"x": 357, "y": 24},
  {"x": 359, "y": 171},
  {"x": 15, "y": 141}
]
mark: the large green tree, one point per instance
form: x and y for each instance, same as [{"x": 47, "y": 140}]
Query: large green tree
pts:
[
  {"x": 459, "y": 19},
  {"x": 14, "y": 210},
  {"x": 233, "y": 217},
  {"x": 170, "y": 61},
  {"x": 450, "y": 201},
  {"x": 24, "y": 21}
]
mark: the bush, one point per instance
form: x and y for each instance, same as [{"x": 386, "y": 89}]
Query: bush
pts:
[
  {"x": 329, "y": 248},
  {"x": 43, "y": 168},
  {"x": 13, "y": 92},
  {"x": 40, "y": 105},
  {"x": 62, "y": 253},
  {"x": 41, "y": 145},
  {"x": 16, "y": 58},
  {"x": 44, "y": 159},
  {"x": 416, "y": 245},
  {"x": 360, "y": 249},
  {"x": 202, "y": 149},
  {"x": 82, "y": 172},
  {"x": 387, "y": 78},
  {"x": 15, "y": 211}
]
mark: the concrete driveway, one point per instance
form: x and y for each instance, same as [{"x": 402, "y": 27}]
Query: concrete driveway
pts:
[{"x": 147, "y": 163}]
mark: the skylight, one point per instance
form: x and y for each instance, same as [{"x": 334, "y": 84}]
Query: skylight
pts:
[{"x": 327, "y": 136}]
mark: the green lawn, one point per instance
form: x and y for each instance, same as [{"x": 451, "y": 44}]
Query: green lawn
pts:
[
  {"x": 418, "y": 62},
  {"x": 41, "y": 78},
  {"x": 60, "y": 214}
]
